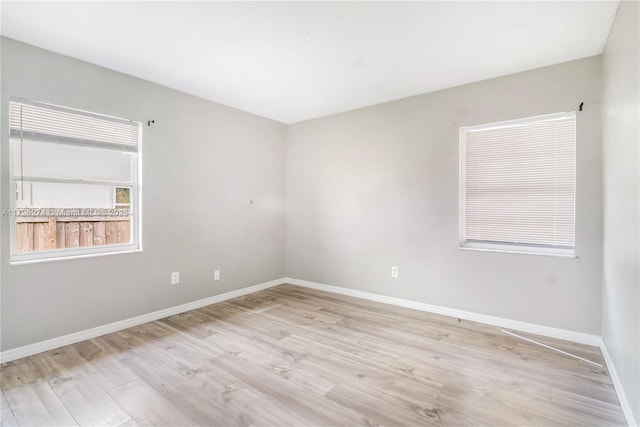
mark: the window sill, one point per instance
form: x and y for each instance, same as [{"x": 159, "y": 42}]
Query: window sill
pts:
[
  {"x": 56, "y": 257},
  {"x": 519, "y": 251}
]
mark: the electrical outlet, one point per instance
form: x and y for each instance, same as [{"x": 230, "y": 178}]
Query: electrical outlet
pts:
[
  {"x": 394, "y": 271},
  {"x": 216, "y": 275},
  {"x": 175, "y": 277}
]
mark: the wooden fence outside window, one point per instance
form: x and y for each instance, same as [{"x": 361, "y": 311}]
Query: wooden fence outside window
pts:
[{"x": 47, "y": 233}]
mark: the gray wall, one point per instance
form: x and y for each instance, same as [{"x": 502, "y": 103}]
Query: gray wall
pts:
[
  {"x": 377, "y": 187},
  {"x": 202, "y": 162},
  {"x": 621, "y": 139}
]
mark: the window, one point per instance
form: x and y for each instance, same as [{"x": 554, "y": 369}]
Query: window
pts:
[
  {"x": 517, "y": 182},
  {"x": 121, "y": 197},
  {"x": 75, "y": 177}
]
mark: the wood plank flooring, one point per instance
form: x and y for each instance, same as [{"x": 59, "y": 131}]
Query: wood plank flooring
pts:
[{"x": 290, "y": 356}]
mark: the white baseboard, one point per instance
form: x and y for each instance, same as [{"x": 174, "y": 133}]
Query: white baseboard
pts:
[
  {"x": 563, "y": 334},
  {"x": 39, "y": 347},
  {"x": 615, "y": 379},
  {"x": 578, "y": 337}
]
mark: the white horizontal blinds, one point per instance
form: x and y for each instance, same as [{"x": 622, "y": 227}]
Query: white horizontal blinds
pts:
[
  {"x": 520, "y": 182},
  {"x": 42, "y": 122}
]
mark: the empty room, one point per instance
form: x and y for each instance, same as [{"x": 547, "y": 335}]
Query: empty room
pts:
[{"x": 320, "y": 213}]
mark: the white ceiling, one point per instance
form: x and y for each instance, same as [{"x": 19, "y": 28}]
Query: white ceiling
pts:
[{"x": 292, "y": 61}]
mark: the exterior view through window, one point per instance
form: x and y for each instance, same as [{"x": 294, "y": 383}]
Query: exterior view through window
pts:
[
  {"x": 517, "y": 185},
  {"x": 74, "y": 177}
]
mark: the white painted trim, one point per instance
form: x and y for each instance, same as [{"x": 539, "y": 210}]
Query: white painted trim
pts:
[
  {"x": 28, "y": 350},
  {"x": 563, "y": 334},
  {"x": 578, "y": 337},
  {"x": 39, "y": 347},
  {"x": 617, "y": 385},
  {"x": 518, "y": 250}
]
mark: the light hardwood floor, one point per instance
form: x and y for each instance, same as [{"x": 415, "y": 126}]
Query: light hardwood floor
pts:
[{"x": 290, "y": 356}]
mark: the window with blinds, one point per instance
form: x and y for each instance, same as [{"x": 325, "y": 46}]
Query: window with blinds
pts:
[
  {"x": 518, "y": 185},
  {"x": 75, "y": 177}
]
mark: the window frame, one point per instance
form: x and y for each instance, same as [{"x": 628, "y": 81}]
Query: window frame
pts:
[
  {"x": 135, "y": 198},
  {"x": 506, "y": 247}
]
